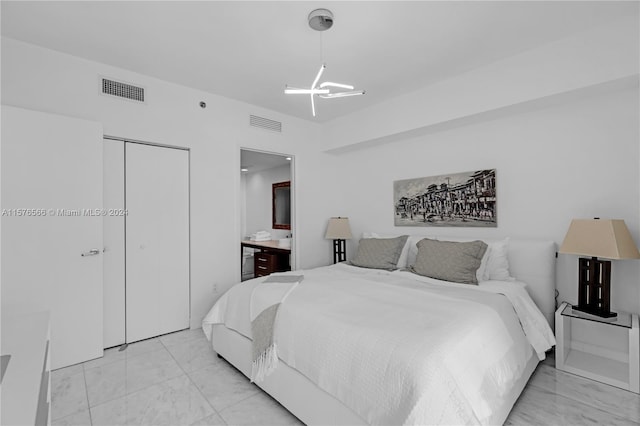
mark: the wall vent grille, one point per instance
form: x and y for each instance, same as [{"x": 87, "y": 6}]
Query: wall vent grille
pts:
[
  {"x": 265, "y": 123},
  {"x": 122, "y": 90}
]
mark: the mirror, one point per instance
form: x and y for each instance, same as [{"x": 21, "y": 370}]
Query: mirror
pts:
[{"x": 281, "y": 199}]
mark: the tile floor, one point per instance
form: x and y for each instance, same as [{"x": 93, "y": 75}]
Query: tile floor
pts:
[
  {"x": 178, "y": 380},
  {"x": 175, "y": 379}
]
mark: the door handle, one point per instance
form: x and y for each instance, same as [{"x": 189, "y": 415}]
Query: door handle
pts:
[{"x": 91, "y": 252}]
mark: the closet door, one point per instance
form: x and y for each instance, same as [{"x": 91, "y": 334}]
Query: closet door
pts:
[
  {"x": 157, "y": 240},
  {"x": 114, "y": 255}
]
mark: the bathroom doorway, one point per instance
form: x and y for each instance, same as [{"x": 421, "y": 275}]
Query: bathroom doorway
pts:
[{"x": 267, "y": 212}]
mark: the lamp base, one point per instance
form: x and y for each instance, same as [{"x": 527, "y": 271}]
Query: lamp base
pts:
[
  {"x": 594, "y": 287},
  {"x": 339, "y": 251},
  {"x": 595, "y": 311}
]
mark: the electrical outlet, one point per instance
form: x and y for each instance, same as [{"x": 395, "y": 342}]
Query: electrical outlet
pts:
[{"x": 215, "y": 287}]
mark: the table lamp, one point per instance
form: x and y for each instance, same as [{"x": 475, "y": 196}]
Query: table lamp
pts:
[
  {"x": 608, "y": 238},
  {"x": 338, "y": 230}
]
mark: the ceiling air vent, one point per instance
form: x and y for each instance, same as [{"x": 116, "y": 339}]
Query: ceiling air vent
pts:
[
  {"x": 265, "y": 123},
  {"x": 122, "y": 90}
]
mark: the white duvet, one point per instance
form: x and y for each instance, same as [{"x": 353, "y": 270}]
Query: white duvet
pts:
[{"x": 401, "y": 350}]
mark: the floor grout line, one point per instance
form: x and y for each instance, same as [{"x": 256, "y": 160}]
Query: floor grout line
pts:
[
  {"x": 118, "y": 360},
  {"x": 86, "y": 391},
  {"x": 244, "y": 399},
  {"x": 137, "y": 390},
  {"x": 258, "y": 388},
  {"x": 194, "y": 384},
  {"x": 56, "y": 381}
]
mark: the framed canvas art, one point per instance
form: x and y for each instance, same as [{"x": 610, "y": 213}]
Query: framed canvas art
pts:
[{"x": 455, "y": 199}]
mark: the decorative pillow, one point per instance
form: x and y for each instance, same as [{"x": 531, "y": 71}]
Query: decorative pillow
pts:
[
  {"x": 402, "y": 260},
  {"x": 449, "y": 261},
  {"x": 379, "y": 253},
  {"x": 494, "y": 264}
]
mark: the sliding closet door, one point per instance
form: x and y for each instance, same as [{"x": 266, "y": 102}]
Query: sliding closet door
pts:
[{"x": 157, "y": 240}]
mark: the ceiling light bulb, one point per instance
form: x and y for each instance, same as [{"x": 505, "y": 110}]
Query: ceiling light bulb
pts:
[
  {"x": 342, "y": 86},
  {"x": 342, "y": 94},
  {"x": 244, "y": 170},
  {"x": 322, "y": 67},
  {"x": 292, "y": 91},
  {"x": 288, "y": 158}
]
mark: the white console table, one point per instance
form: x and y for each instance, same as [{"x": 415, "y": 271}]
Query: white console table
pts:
[{"x": 25, "y": 389}]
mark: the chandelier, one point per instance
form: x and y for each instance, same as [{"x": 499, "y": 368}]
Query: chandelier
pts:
[{"x": 322, "y": 20}]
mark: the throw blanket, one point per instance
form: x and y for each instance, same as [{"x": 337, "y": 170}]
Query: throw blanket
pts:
[{"x": 265, "y": 301}]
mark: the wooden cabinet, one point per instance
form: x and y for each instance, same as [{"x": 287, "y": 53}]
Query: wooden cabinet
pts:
[
  {"x": 271, "y": 258},
  {"x": 267, "y": 263}
]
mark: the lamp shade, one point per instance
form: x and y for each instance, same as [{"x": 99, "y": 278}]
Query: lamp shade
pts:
[
  {"x": 607, "y": 238},
  {"x": 338, "y": 229}
]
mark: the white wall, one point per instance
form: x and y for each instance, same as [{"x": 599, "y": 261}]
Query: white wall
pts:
[
  {"x": 257, "y": 196},
  {"x": 583, "y": 62},
  {"x": 559, "y": 123},
  {"x": 46, "y": 80},
  {"x": 573, "y": 160}
]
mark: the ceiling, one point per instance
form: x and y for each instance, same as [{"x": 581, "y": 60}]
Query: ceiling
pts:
[
  {"x": 249, "y": 50},
  {"x": 256, "y": 161}
]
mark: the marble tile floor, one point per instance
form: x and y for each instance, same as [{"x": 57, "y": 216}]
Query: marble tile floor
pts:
[{"x": 177, "y": 379}]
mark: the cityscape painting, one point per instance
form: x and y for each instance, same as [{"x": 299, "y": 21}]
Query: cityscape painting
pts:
[{"x": 458, "y": 199}]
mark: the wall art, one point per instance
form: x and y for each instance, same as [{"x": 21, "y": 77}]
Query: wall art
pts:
[{"x": 456, "y": 199}]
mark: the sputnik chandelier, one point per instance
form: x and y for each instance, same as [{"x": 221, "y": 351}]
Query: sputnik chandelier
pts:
[{"x": 322, "y": 20}]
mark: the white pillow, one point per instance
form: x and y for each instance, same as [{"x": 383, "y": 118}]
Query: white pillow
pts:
[
  {"x": 482, "y": 269},
  {"x": 497, "y": 267},
  {"x": 412, "y": 244}
]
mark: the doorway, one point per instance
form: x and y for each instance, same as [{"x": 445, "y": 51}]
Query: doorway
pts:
[{"x": 267, "y": 206}]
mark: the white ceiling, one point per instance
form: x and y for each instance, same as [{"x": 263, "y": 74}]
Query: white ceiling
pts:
[
  {"x": 256, "y": 161},
  {"x": 249, "y": 50}
]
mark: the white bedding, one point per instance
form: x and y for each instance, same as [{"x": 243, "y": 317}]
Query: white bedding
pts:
[{"x": 400, "y": 350}]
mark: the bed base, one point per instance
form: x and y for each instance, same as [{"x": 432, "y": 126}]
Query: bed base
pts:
[{"x": 312, "y": 405}]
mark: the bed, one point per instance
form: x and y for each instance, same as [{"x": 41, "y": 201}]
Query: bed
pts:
[{"x": 360, "y": 345}]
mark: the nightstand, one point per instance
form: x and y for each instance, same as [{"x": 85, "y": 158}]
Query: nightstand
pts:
[{"x": 601, "y": 349}]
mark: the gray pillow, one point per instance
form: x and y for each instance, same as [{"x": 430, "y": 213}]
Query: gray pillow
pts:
[
  {"x": 449, "y": 261},
  {"x": 379, "y": 253}
]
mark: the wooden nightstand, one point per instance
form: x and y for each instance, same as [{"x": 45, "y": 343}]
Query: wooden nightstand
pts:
[{"x": 601, "y": 349}]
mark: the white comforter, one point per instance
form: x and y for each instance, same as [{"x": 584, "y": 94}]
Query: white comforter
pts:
[{"x": 397, "y": 350}]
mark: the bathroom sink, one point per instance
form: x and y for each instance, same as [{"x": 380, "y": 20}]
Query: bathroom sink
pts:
[{"x": 284, "y": 242}]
